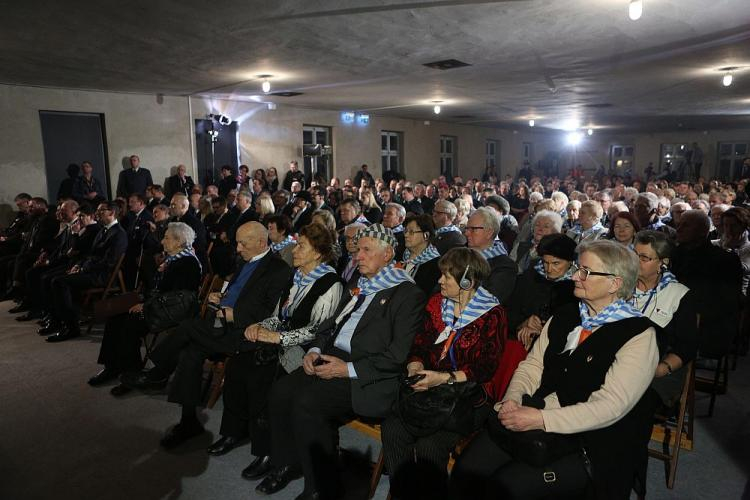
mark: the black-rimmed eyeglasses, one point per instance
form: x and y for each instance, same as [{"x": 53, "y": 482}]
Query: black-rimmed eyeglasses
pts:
[{"x": 584, "y": 273}]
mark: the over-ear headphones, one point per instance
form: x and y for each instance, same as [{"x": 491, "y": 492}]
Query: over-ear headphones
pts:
[{"x": 465, "y": 283}]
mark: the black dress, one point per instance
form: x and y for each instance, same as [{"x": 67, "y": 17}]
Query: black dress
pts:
[{"x": 121, "y": 345}]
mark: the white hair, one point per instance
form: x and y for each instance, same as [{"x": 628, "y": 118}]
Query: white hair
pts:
[
  {"x": 491, "y": 218},
  {"x": 184, "y": 233},
  {"x": 554, "y": 217}
]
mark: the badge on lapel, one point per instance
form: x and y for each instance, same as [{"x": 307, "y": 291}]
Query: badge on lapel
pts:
[
  {"x": 383, "y": 301},
  {"x": 589, "y": 358}
]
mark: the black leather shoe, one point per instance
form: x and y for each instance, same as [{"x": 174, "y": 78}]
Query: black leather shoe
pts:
[
  {"x": 142, "y": 380},
  {"x": 19, "y": 308},
  {"x": 308, "y": 496},
  {"x": 224, "y": 445},
  {"x": 257, "y": 469},
  {"x": 181, "y": 433},
  {"x": 64, "y": 334},
  {"x": 103, "y": 377},
  {"x": 120, "y": 390},
  {"x": 29, "y": 316},
  {"x": 278, "y": 479},
  {"x": 44, "y": 321},
  {"x": 49, "y": 329}
]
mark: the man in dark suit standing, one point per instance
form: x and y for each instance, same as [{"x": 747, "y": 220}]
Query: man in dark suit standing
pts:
[
  {"x": 228, "y": 181},
  {"x": 133, "y": 180},
  {"x": 447, "y": 235},
  {"x": 250, "y": 297},
  {"x": 110, "y": 244},
  {"x": 180, "y": 182},
  {"x": 351, "y": 369},
  {"x": 135, "y": 224},
  {"x": 293, "y": 175},
  {"x": 363, "y": 175},
  {"x": 179, "y": 209}
]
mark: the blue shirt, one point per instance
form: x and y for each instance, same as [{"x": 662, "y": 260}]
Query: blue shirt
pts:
[{"x": 233, "y": 292}]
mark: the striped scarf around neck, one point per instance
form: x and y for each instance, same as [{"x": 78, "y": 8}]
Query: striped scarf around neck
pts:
[
  {"x": 301, "y": 282},
  {"x": 618, "y": 310},
  {"x": 277, "y": 247},
  {"x": 495, "y": 250},
  {"x": 386, "y": 278},
  {"x": 429, "y": 253},
  {"x": 450, "y": 228}
]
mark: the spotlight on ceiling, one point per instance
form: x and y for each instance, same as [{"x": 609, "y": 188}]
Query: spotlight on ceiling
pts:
[
  {"x": 436, "y": 109},
  {"x": 635, "y": 9},
  {"x": 574, "y": 138},
  {"x": 266, "y": 85},
  {"x": 363, "y": 118},
  {"x": 532, "y": 123},
  {"x": 222, "y": 119},
  {"x": 727, "y": 79},
  {"x": 590, "y": 131}
]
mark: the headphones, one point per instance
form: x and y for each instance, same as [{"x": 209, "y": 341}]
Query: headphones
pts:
[{"x": 465, "y": 283}]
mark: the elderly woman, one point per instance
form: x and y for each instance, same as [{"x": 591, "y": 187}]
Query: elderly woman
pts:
[
  {"x": 582, "y": 386},
  {"x": 120, "y": 351},
  {"x": 541, "y": 289},
  {"x": 589, "y": 226},
  {"x": 623, "y": 227},
  {"x": 274, "y": 347},
  {"x": 463, "y": 209},
  {"x": 573, "y": 208},
  {"x": 462, "y": 340},
  {"x": 421, "y": 257},
  {"x": 525, "y": 252}
]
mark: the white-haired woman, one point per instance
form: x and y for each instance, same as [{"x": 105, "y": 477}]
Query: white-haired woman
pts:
[
  {"x": 121, "y": 346},
  {"x": 582, "y": 385},
  {"x": 545, "y": 222}
]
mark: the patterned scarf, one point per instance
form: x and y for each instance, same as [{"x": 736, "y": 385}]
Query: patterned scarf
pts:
[
  {"x": 362, "y": 220},
  {"x": 585, "y": 233},
  {"x": 495, "y": 250},
  {"x": 447, "y": 229},
  {"x": 398, "y": 229},
  {"x": 388, "y": 277},
  {"x": 480, "y": 303},
  {"x": 185, "y": 252},
  {"x": 666, "y": 278},
  {"x": 348, "y": 271},
  {"x": 277, "y": 247},
  {"x": 428, "y": 253},
  {"x": 539, "y": 267},
  {"x": 655, "y": 225},
  {"x": 616, "y": 311},
  {"x": 301, "y": 282}
]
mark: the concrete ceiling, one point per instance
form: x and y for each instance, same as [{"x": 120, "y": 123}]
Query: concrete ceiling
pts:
[{"x": 551, "y": 60}]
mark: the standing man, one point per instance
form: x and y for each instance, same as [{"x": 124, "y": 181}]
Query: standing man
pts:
[
  {"x": 363, "y": 175},
  {"x": 180, "y": 182},
  {"x": 86, "y": 187},
  {"x": 293, "y": 175},
  {"x": 133, "y": 180}
]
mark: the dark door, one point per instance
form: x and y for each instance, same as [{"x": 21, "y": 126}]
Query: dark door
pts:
[
  {"x": 73, "y": 138},
  {"x": 224, "y": 150}
]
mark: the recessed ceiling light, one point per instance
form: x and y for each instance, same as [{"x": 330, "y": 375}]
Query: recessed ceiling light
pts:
[
  {"x": 727, "y": 79},
  {"x": 532, "y": 123},
  {"x": 635, "y": 9}
]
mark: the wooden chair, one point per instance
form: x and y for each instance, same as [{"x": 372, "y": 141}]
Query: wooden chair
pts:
[
  {"x": 213, "y": 286},
  {"x": 209, "y": 269},
  {"x": 215, "y": 382},
  {"x": 372, "y": 430},
  {"x": 102, "y": 293},
  {"x": 678, "y": 434}
]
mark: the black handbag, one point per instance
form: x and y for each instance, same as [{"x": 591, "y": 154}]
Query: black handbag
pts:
[
  {"x": 443, "y": 407},
  {"x": 166, "y": 310}
]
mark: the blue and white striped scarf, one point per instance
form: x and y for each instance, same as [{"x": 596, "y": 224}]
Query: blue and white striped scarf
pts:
[
  {"x": 655, "y": 225},
  {"x": 585, "y": 233},
  {"x": 277, "y": 247},
  {"x": 539, "y": 267},
  {"x": 616, "y": 311},
  {"x": 480, "y": 303},
  {"x": 666, "y": 278},
  {"x": 185, "y": 252},
  {"x": 495, "y": 250},
  {"x": 448, "y": 229},
  {"x": 398, "y": 229},
  {"x": 301, "y": 282},
  {"x": 427, "y": 254},
  {"x": 388, "y": 277}
]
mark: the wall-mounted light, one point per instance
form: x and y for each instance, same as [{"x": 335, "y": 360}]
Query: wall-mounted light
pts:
[
  {"x": 436, "y": 109},
  {"x": 635, "y": 9},
  {"x": 363, "y": 118},
  {"x": 532, "y": 123},
  {"x": 347, "y": 117},
  {"x": 271, "y": 106},
  {"x": 266, "y": 85}
]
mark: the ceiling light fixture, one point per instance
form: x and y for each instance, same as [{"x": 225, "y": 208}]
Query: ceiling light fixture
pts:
[
  {"x": 727, "y": 79},
  {"x": 574, "y": 138},
  {"x": 436, "y": 109},
  {"x": 590, "y": 131},
  {"x": 635, "y": 9},
  {"x": 266, "y": 86},
  {"x": 532, "y": 123}
]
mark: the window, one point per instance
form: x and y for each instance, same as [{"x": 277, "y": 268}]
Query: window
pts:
[
  {"x": 731, "y": 156},
  {"x": 527, "y": 152},
  {"x": 448, "y": 156},
  {"x": 391, "y": 145},
  {"x": 621, "y": 159},
  {"x": 317, "y": 151},
  {"x": 673, "y": 158},
  {"x": 490, "y": 153}
]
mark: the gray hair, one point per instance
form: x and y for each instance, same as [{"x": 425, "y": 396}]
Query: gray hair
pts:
[
  {"x": 594, "y": 206},
  {"x": 664, "y": 202},
  {"x": 400, "y": 209},
  {"x": 355, "y": 225},
  {"x": 490, "y": 217},
  {"x": 245, "y": 194},
  {"x": 535, "y": 197},
  {"x": 680, "y": 204},
  {"x": 559, "y": 196},
  {"x": 447, "y": 207},
  {"x": 574, "y": 204},
  {"x": 184, "y": 233},
  {"x": 554, "y": 217},
  {"x": 653, "y": 200},
  {"x": 463, "y": 205},
  {"x": 659, "y": 241},
  {"x": 618, "y": 260}
]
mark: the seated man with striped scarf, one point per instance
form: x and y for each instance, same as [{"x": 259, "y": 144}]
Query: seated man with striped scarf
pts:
[
  {"x": 481, "y": 233},
  {"x": 350, "y": 370}
]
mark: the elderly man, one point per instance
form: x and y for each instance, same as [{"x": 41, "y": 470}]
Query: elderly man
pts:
[
  {"x": 250, "y": 297},
  {"x": 180, "y": 182},
  {"x": 715, "y": 214},
  {"x": 133, "y": 180},
  {"x": 447, "y": 235},
  {"x": 393, "y": 218},
  {"x": 481, "y": 231},
  {"x": 646, "y": 210},
  {"x": 351, "y": 369},
  {"x": 293, "y": 175},
  {"x": 605, "y": 200},
  {"x": 347, "y": 265}
]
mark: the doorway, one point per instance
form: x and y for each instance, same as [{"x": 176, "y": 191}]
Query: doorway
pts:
[
  {"x": 215, "y": 146},
  {"x": 317, "y": 149}
]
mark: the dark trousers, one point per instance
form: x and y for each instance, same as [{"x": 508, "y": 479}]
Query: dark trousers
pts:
[
  {"x": 23, "y": 262},
  {"x": 418, "y": 466},
  {"x": 34, "y": 277},
  {"x": 486, "y": 471},
  {"x": 7, "y": 263},
  {"x": 44, "y": 295},
  {"x": 246, "y": 390},
  {"x": 184, "y": 350},
  {"x": 66, "y": 290},
  {"x": 121, "y": 344},
  {"x": 306, "y": 413}
]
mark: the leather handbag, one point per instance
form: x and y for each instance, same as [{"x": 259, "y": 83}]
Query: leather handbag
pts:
[
  {"x": 115, "y": 305},
  {"x": 443, "y": 407},
  {"x": 166, "y": 310}
]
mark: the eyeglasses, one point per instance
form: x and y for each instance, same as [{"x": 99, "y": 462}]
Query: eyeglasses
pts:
[
  {"x": 474, "y": 228},
  {"x": 410, "y": 232},
  {"x": 440, "y": 212},
  {"x": 645, "y": 258},
  {"x": 585, "y": 273}
]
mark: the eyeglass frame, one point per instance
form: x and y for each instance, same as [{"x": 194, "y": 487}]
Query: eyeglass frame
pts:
[
  {"x": 585, "y": 273},
  {"x": 410, "y": 232},
  {"x": 474, "y": 228},
  {"x": 645, "y": 258}
]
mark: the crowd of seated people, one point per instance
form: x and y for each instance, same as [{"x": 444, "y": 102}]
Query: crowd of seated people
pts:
[{"x": 338, "y": 296}]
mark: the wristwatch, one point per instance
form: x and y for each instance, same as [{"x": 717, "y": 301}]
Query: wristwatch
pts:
[{"x": 451, "y": 378}]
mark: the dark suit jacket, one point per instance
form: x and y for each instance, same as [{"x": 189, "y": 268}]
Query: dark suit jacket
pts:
[
  {"x": 304, "y": 219},
  {"x": 502, "y": 278},
  {"x": 107, "y": 248},
  {"x": 41, "y": 235},
  {"x": 401, "y": 246},
  {"x": 200, "y": 230},
  {"x": 445, "y": 241},
  {"x": 176, "y": 185},
  {"x": 226, "y": 184},
  {"x": 136, "y": 227},
  {"x": 152, "y": 204},
  {"x": 413, "y": 207},
  {"x": 380, "y": 345},
  {"x": 249, "y": 216},
  {"x": 84, "y": 242},
  {"x": 427, "y": 277},
  {"x": 131, "y": 182}
]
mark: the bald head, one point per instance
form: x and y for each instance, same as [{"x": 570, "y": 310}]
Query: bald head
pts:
[{"x": 252, "y": 240}]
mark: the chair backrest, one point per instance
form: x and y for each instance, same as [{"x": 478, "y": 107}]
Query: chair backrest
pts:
[
  {"x": 115, "y": 275},
  {"x": 215, "y": 286}
]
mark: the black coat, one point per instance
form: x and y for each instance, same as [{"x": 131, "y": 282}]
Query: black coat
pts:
[
  {"x": 177, "y": 185},
  {"x": 427, "y": 277},
  {"x": 106, "y": 249},
  {"x": 182, "y": 274},
  {"x": 535, "y": 294},
  {"x": 131, "y": 182},
  {"x": 502, "y": 278}
]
